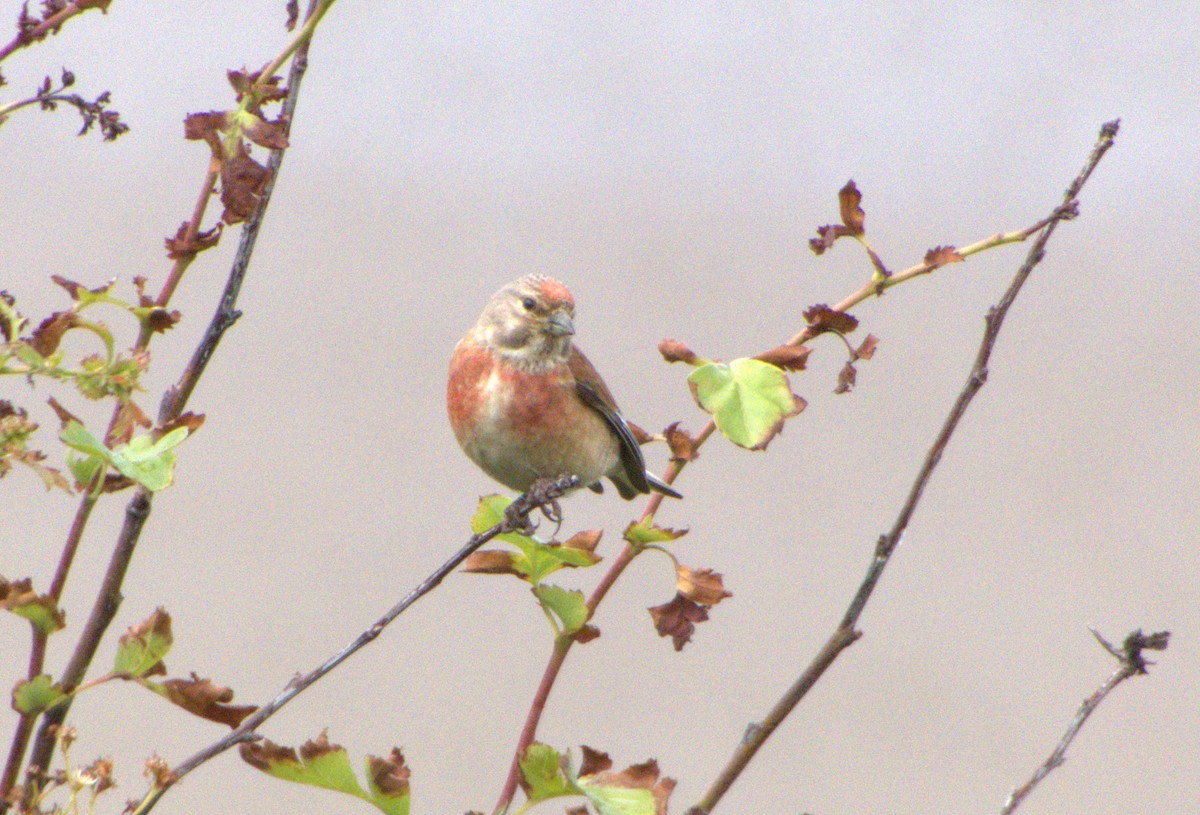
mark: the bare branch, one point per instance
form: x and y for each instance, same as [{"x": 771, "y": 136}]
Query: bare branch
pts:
[
  {"x": 1132, "y": 664},
  {"x": 846, "y": 634}
]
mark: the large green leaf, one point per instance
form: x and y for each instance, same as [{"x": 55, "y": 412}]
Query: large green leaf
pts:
[{"x": 749, "y": 399}]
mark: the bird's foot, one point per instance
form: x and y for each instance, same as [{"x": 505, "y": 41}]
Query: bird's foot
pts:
[{"x": 543, "y": 495}]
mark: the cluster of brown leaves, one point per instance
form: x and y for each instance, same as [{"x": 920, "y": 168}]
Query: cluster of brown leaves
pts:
[
  {"x": 697, "y": 590},
  {"x": 15, "y": 430},
  {"x": 853, "y": 218},
  {"x": 196, "y": 695},
  {"x": 228, "y": 134}
]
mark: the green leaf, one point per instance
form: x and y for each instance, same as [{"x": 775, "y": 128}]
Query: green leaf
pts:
[
  {"x": 141, "y": 649},
  {"x": 40, "y": 609},
  {"x": 387, "y": 783},
  {"x": 567, "y": 605},
  {"x": 645, "y": 532},
  {"x": 84, "y": 468},
  {"x": 322, "y": 764},
  {"x": 78, "y": 437},
  {"x": 542, "y": 769},
  {"x": 35, "y": 695},
  {"x": 490, "y": 513},
  {"x": 148, "y": 462},
  {"x": 619, "y": 800},
  {"x": 748, "y": 399}
]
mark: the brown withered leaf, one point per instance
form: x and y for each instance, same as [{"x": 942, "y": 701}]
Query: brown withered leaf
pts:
[
  {"x": 644, "y": 776},
  {"x": 206, "y": 127},
  {"x": 242, "y": 183},
  {"x": 159, "y": 319},
  {"x": 180, "y": 246},
  {"x": 128, "y": 416},
  {"x": 33, "y": 459},
  {"x": 266, "y": 133},
  {"x": 681, "y": 442},
  {"x": 826, "y": 236},
  {"x": 293, "y": 14},
  {"x": 241, "y": 81},
  {"x": 846, "y": 378},
  {"x": 192, "y": 421},
  {"x": 390, "y": 775},
  {"x": 787, "y": 357},
  {"x": 821, "y": 318},
  {"x": 491, "y": 561},
  {"x": 113, "y": 482},
  {"x": 262, "y": 754},
  {"x": 63, "y": 414},
  {"x": 677, "y": 619},
  {"x": 703, "y": 586},
  {"x": 320, "y": 746},
  {"x": 579, "y": 810},
  {"x": 594, "y": 761},
  {"x": 268, "y": 90},
  {"x": 206, "y": 700},
  {"x": 586, "y": 634},
  {"x": 587, "y": 540},
  {"x": 76, "y": 289},
  {"x": 853, "y": 216},
  {"x": 19, "y": 597},
  {"x": 49, "y": 334},
  {"x": 941, "y": 255},
  {"x": 867, "y": 349},
  {"x": 676, "y": 351}
]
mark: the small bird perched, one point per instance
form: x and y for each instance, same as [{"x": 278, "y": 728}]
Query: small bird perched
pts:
[{"x": 526, "y": 404}]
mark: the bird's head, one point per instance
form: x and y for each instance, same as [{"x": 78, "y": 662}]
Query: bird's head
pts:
[{"x": 529, "y": 321}]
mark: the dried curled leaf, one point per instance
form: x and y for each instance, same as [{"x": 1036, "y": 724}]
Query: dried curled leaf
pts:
[
  {"x": 787, "y": 357},
  {"x": 676, "y": 351},
  {"x": 677, "y": 619},
  {"x": 849, "y": 199},
  {"x": 206, "y": 700},
  {"x": 822, "y": 318},
  {"x": 941, "y": 255},
  {"x": 703, "y": 586},
  {"x": 853, "y": 219},
  {"x": 681, "y": 442}
]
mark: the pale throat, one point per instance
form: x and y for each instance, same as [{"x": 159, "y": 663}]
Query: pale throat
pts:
[{"x": 528, "y": 349}]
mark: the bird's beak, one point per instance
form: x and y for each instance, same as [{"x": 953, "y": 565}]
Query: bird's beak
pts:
[{"x": 560, "y": 324}]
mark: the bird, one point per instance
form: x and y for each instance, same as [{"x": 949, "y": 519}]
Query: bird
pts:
[{"x": 526, "y": 404}]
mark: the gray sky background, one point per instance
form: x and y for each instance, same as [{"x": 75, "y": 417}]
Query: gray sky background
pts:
[{"x": 668, "y": 163}]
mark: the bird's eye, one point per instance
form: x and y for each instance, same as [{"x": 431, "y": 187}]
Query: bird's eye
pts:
[{"x": 529, "y": 303}]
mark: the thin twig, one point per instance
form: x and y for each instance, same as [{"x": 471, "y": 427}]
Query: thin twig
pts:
[
  {"x": 845, "y": 634},
  {"x": 50, "y": 25},
  {"x": 515, "y": 519},
  {"x": 1132, "y": 664}
]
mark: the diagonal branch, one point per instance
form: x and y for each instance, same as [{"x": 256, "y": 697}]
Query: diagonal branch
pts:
[
  {"x": 1132, "y": 664},
  {"x": 845, "y": 634},
  {"x": 515, "y": 519}
]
